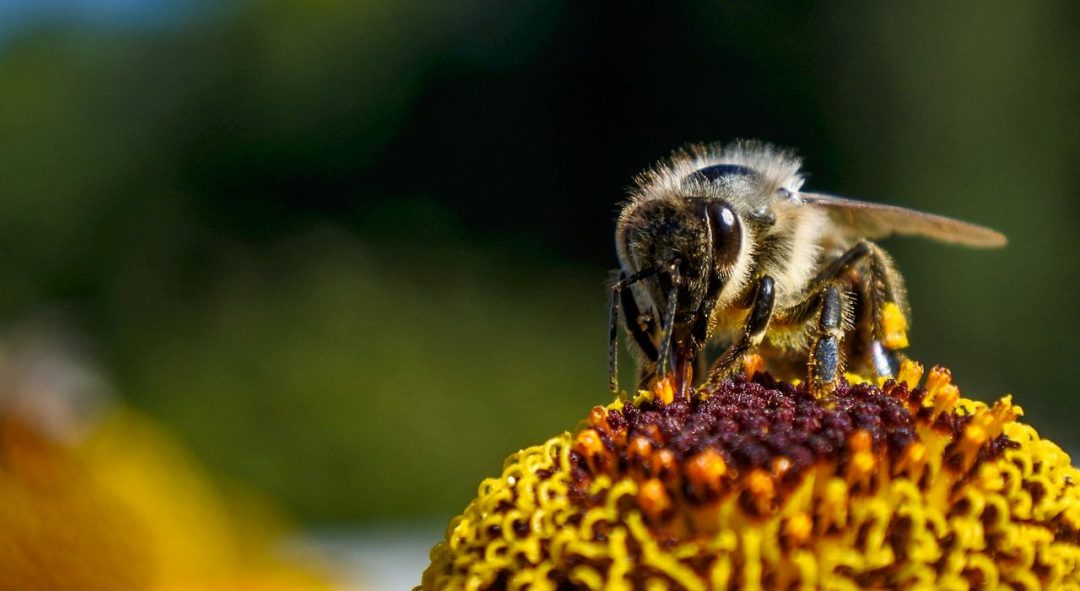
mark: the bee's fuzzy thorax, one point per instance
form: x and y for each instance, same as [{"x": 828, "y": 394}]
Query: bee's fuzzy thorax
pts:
[
  {"x": 779, "y": 168},
  {"x": 791, "y": 249}
]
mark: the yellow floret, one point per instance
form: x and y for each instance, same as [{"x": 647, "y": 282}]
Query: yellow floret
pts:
[{"x": 946, "y": 513}]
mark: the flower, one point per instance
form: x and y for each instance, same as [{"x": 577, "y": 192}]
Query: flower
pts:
[
  {"x": 755, "y": 483},
  {"x": 95, "y": 495},
  {"x": 128, "y": 508}
]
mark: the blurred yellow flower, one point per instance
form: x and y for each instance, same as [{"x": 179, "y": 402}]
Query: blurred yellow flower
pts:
[
  {"x": 756, "y": 484},
  {"x": 126, "y": 508}
]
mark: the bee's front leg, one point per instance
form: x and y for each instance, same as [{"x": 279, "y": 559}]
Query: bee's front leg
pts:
[
  {"x": 753, "y": 330},
  {"x": 622, "y": 297}
]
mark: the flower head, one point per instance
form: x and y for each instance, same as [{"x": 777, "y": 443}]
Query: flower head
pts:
[{"x": 757, "y": 484}]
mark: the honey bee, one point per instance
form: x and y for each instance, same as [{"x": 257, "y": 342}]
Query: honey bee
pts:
[{"x": 719, "y": 245}]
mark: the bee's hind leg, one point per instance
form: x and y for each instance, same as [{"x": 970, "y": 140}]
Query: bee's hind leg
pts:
[
  {"x": 891, "y": 318},
  {"x": 886, "y": 361},
  {"x": 884, "y": 318}
]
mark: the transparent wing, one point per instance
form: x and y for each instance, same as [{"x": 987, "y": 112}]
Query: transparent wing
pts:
[{"x": 860, "y": 219}]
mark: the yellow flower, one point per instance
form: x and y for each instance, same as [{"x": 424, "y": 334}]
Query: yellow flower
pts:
[
  {"x": 756, "y": 484},
  {"x": 128, "y": 509}
]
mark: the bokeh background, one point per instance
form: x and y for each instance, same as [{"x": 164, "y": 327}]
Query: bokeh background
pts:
[{"x": 353, "y": 254}]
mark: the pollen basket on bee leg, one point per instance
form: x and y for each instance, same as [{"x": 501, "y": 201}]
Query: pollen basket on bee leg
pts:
[{"x": 894, "y": 326}]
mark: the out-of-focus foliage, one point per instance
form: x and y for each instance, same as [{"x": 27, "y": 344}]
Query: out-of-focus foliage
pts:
[
  {"x": 359, "y": 387},
  {"x": 355, "y": 252}
]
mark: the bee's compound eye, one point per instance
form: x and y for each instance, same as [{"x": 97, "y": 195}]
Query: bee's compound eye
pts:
[{"x": 726, "y": 231}]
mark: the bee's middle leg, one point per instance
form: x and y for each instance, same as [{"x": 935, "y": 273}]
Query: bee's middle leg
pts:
[
  {"x": 882, "y": 294},
  {"x": 826, "y": 358}
]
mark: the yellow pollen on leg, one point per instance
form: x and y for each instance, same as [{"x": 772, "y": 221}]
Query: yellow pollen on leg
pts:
[{"x": 894, "y": 324}]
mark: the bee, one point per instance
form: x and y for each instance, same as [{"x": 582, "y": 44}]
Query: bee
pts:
[{"x": 720, "y": 246}]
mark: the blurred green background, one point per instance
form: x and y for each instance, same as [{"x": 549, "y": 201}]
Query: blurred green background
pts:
[{"x": 356, "y": 253}]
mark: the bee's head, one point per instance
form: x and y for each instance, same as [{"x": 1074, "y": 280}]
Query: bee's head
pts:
[{"x": 690, "y": 241}]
